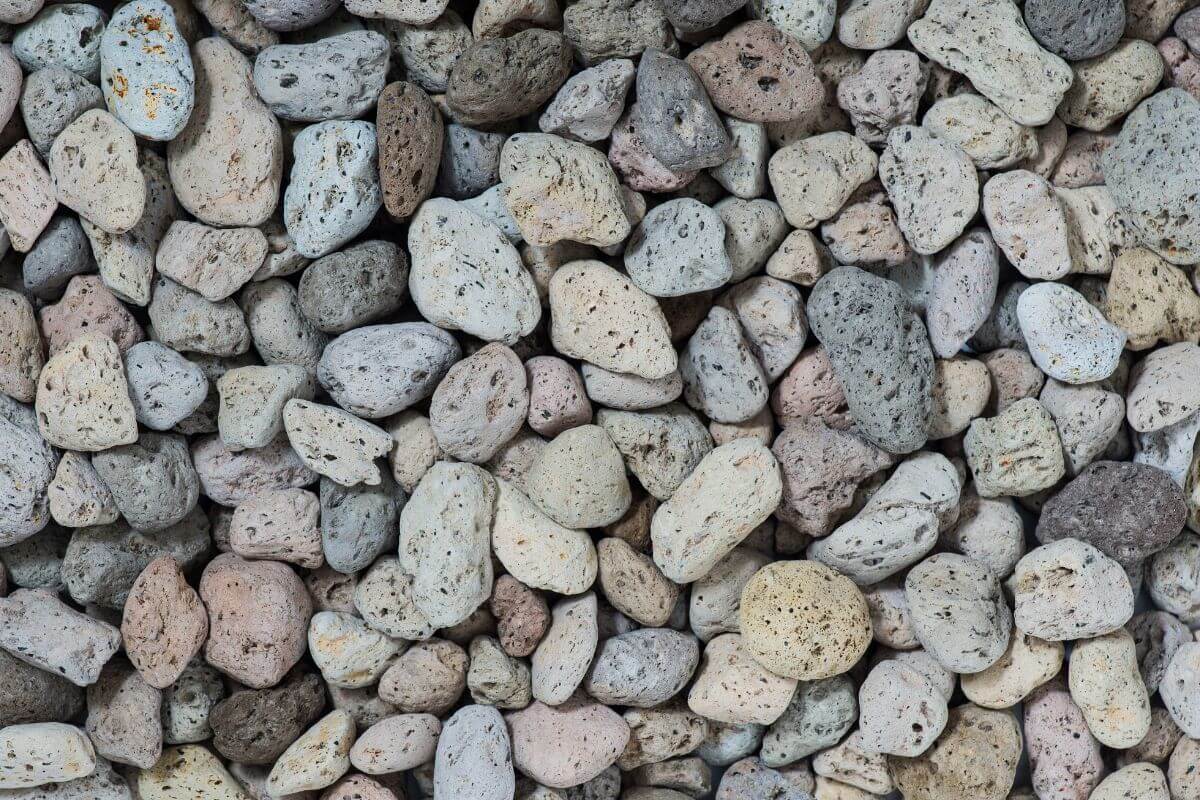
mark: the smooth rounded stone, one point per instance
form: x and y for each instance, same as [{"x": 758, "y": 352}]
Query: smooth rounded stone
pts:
[
  {"x": 184, "y": 321},
  {"x": 252, "y": 400},
  {"x": 334, "y": 443},
  {"x": 474, "y": 756},
  {"x": 1151, "y": 300},
  {"x": 557, "y": 398},
  {"x": 1135, "y": 780},
  {"x": 733, "y": 489},
  {"x": 504, "y": 78},
  {"x": 721, "y": 375},
  {"x": 522, "y": 616},
  {"x": 557, "y": 189},
  {"x": 1107, "y": 687},
  {"x": 628, "y": 392},
  {"x": 716, "y": 597},
  {"x": 255, "y": 727},
  {"x": 334, "y": 189},
  {"x": 396, "y": 743},
  {"x": 146, "y": 70},
  {"x": 1155, "y": 398},
  {"x": 600, "y": 316},
  {"x": 579, "y": 480},
  {"x": 932, "y": 185},
  {"x": 348, "y": 653},
  {"x": 958, "y": 612},
  {"x": 480, "y": 404},
  {"x": 1088, "y": 418},
  {"x": 1068, "y": 337},
  {"x": 1157, "y": 635},
  {"x": 729, "y": 742},
  {"x": 29, "y": 694},
  {"x": 494, "y": 299},
  {"x": 1127, "y": 511},
  {"x": 66, "y": 36},
  {"x": 1107, "y": 87},
  {"x": 444, "y": 541},
  {"x": 214, "y": 262},
  {"x": 1015, "y": 453},
  {"x": 280, "y": 524},
  {"x": 877, "y": 544},
  {"x": 824, "y": 629},
  {"x": 988, "y": 136},
  {"x": 41, "y": 753},
  {"x": 258, "y": 615},
  {"x": 813, "y": 178},
  {"x": 384, "y": 599},
  {"x": 635, "y": 164},
  {"x": 82, "y": 398},
  {"x": 1076, "y": 29},
  {"x": 427, "y": 678},
  {"x": 642, "y": 668},
  {"x": 470, "y": 162},
  {"x": 731, "y": 686},
  {"x": 152, "y": 480},
  {"x": 164, "y": 386},
  {"x": 1065, "y": 760},
  {"x": 1143, "y": 171},
  {"x": 819, "y": 715},
  {"x": 41, "y": 630},
  {"x": 976, "y": 757},
  {"x": 1178, "y": 689},
  {"x": 164, "y": 623},
  {"x": 633, "y": 584},
  {"x": 961, "y": 389},
  {"x": 1028, "y": 663},
  {"x": 51, "y": 99},
  {"x": 227, "y": 163},
  {"x": 88, "y": 306},
  {"x": 123, "y": 718},
  {"x": 358, "y": 523},
  {"x": 669, "y": 89},
  {"x": 410, "y": 132},
  {"x": 61, "y": 253},
  {"x": 883, "y": 94},
  {"x": 678, "y": 249},
  {"x": 290, "y": 15},
  {"x": 902, "y": 712},
  {"x": 94, "y": 166},
  {"x": 335, "y": 78},
  {"x": 887, "y": 375},
  {"x": 1070, "y": 590},
  {"x": 317, "y": 759},
  {"x": 535, "y": 549},
  {"x": 567, "y": 745},
  {"x": 590, "y": 102},
  {"x": 758, "y": 73},
  {"x": 187, "y": 703},
  {"x": 561, "y": 660},
  {"x": 661, "y": 446},
  {"x": 989, "y": 44}
]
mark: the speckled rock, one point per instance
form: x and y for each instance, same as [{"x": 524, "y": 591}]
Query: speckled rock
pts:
[
  {"x": 27, "y": 195},
  {"x": 93, "y": 164},
  {"x": 41, "y": 630},
  {"x": 410, "y": 132},
  {"x": 1178, "y": 688},
  {"x": 902, "y": 712},
  {"x": 183, "y": 320},
  {"x": 429, "y": 677},
  {"x": 214, "y": 262},
  {"x": 188, "y": 771},
  {"x": 566, "y": 745},
  {"x": 334, "y": 443},
  {"x": 731, "y": 686},
  {"x": 281, "y": 525},
  {"x": 1154, "y": 400},
  {"x": 522, "y": 615},
  {"x": 668, "y": 88},
  {"x": 1070, "y": 590},
  {"x": 44, "y": 752},
  {"x": 77, "y": 496},
  {"x": 1108, "y": 86},
  {"x": 480, "y": 404},
  {"x": 1134, "y": 780},
  {"x": 164, "y": 623},
  {"x": 152, "y": 480},
  {"x": 257, "y": 726},
  {"x": 679, "y": 248},
  {"x": 932, "y": 185},
  {"x": 163, "y": 386},
  {"x": 1016, "y": 453},
  {"x": 290, "y": 15},
  {"x": 60, "y": 253},
  {"x": 561, "y": 660},
  {"x": 971, "y": 592},
  {"x": 474, "y": 756},
  {"x": 590, "y": 102},
  {"x": 123, "y": 719},
  {"x": 1064, "y": 759},
  {"x": 990, "y": 138},
  {"x": 82, "y": 386},
  {"x": 335, "y": 78},
  {"x": 721, "y": 376},
  {"x": 51, "y": 99},
  {"x": 317, "y": 759},
  {"x": 66, "y": 36},
  {"x": 819, "y": 715},
  {"x": 977, "y": 756},
  {"x": 1026, "y": 664},
  {"x": 252, "y": 401},
  {"x": 1107, "y": 687},
  {"x": 503, "y": 78},
  {"x": 1068, "y": 338},
  {"x": 883, "y": 94},
  {"x": 383, "y": 597},
  {"x": 400, "y": 742},
  {"x": 1076, "y": 29},
  {"x": 535, "y": 549}
]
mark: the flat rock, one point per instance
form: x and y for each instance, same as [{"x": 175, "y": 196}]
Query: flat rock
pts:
[{"x": 44, "y": 752}]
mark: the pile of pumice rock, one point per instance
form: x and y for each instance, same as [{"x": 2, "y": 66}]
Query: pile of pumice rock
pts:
[{"x": 600, "y": 400}]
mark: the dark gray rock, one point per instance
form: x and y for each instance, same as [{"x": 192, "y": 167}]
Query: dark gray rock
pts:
[
  {"x": 60, "y": 253},
  {"x": 642, "y": 668},
  {"x": 29, "y": 694},
  {"x": 36, "y": 563},
  {"x": 1076, "y": 29},
  {"x": 502, "y": 79},
  {"x": 256, "y": 726},
  {"x": 152, "y": 480},
  {"x": 354, "y": 286},
  {"x": 676, "y": 119}
]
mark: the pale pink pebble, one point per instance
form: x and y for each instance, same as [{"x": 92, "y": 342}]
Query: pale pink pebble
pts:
[{"x": 557, "y": 399}]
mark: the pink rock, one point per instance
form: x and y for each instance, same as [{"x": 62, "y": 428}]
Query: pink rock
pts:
[
  {"x": 164, "y": 624},
  {"x": 1064, "y": 758},
  {"x": 557, "y": 399},
  {"x": 27, "y": 199},
  {"x": 636, "y": 166},
  {"x": 566, "y": 745},
  {"x": 88, "y": 307},
  {"x": 280, "y": 524},
  {"x": 809, "y": 388},
  {"x": 1182, "y": 66}
]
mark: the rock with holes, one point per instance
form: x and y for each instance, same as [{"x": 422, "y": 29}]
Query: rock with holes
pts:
[
  {"x": 1070, "y": 590},
  {"x": 335, "y": 78}
]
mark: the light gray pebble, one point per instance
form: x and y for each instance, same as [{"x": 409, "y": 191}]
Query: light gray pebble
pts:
[
  {"x": 1156, "y": 636},
  {"x": 716, "y": 597},
  {"x": 281, "y": 332},
  {"x": 335, "y": 443},
  {"x": 902, "y": 712},
  {"x": 721, "y": 376},
  {"x": 60, "y": 253},
  {"x": 474, "y": 756},
  {"x": 562, "y": 658},
  {"x": 290, "y": 15},
  {"x": 334, "y": 189},
  {"x": 40, "y": 629},
  {"x": 252, "y": 401},
  {"x": 335, "y": 78},
  {"x": 883, "y": 94},
  {"x": 1180, "y": 688},
  {"x": 932, "y": 185},
  {"x": 958, "y": 611},
  {"x": 1068, "y": 337},
  {"x": 152, "y": 481},
  {"x": 820, "y": 713},
  {"x": 470, "y": 162},
  {"x": 480, "y": 404},
  {"x": 578, "y": 479},
  {"x": 29, "y": 694},
  {"x": 771, "y": 313},
  {"x": 1070, "y": 590},
  {"x": 491, "y": 207},
  {"x": 1088, "y": 418},
  {"x": 878, "y": 543},
  {"x": 729, "y": 742},
  {"x": 187, "y": 703},
  {"x": 183, "y": 320},
  {"x": 164, "y": 386},
  {"x": 588, "y": 105},
  {"x": 215, "y": 262},
  {"x": 744, "y": 174},
  {"x": 78, "y": 497},
  {"x": 384, "y": 599},
  {"x": 676, "y": 119},
  {"x": 354, "y": 286},
  {"x": 36, "y": 562},
  {"x": 27, "y": 465},
  {"x": 643, "y": 668},
  {"x": 66, "y": 35},
  {"x": 621, "y": 390},
  {"x": 358, "y": 523},
  {"x": 754, "y": 229},
  {"x": 1001, "y": 329},
  {"x": 146, "y": 70},
  {"x": 965, "y": 278},
  {"x": 661, "y": 446}
]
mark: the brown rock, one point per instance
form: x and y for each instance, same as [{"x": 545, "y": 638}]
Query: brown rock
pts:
[
  {"x": 255, "y": 727},
  {"x": 522, "y": 616},
  {"x": 27, "y": 199},
  {"x": 258, "y": 618},
  {"x": 410, "y": 133},
  {"x": 501, "y": 79},
  {"x": 976, "y": 756},
  {"x": 88, "y": 307},
  {"x": 427, "y": 679},
  {"x": 758, "y": 73},
  {"x": 164, "y": 624}
]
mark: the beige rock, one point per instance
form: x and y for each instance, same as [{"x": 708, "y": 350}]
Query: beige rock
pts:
[
  {"x": 633, "y": 585},
  {"x": 814, "y": 178},
  {"x": 189, "y": 772},
  {"x": 731, "y": 686},
  {"x": 281, "y": 525},
  {"x": 1142, "y": 781},
  {"x": 1026, "y": 664},
  {"x": 27, "y": 197},
  {"x": 988, "y": 135},
  {"x": 976, "y": 757},
  {"x": 317, "y": 759},
  {"x": 397, "y": 743},
  {"x": 561, "y": 660},
  {"x": 428, "y": 678},
  {"x": 1108, "y": 86},
  {"x": 538, "y": 551},
  {"x": 1029, "y": 223},
  {"x": 335, "y": 443},
  {"x": 41, "y": 753},
  {"x": 961, "y": 389},
  {"x": 22, "y": 359},
  {"x": 78, "y": 496},
  {"x": 1107, "y": 687},
  {"x": 657, "y": 734},
  {"x": 1151, "y": 300},
  {"x": 851, "y": 764},
  {"x": 164, "y": 623},
  {"x": 124, "y": 716},
  {"x": 1016, "y": 453},
  {"x": 82, "y": 398},
  {"x": 566, "y": 745},
  {"x": 212, "y": 261},
  {"x": 94, "y": 165}
]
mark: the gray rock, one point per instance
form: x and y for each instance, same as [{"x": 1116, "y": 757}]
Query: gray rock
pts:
[
  {"x": 183, "y": 320},
  {"x": 643, "y": 668},
  {"x": 721, "y": 377},
  {"x": 880, "y": 354},
  {"x": 66, "y": 35},
  {"x": 252, "y": 400},
  {"x": 932, "y": 185},
  {"x": 27, "y": 466},
  {"x": 290, "y": 15},
  {"x": 334, "y": 190},
  {"x": 102, "y": 562},
  {"x": 602, "y": 30},
  {"x": 281, "y": 332},
  {"x": 676, "y": 119},
  {"x": 61, "y": 253},
  {"x": 693, "y": 16},
  {"x": 103, "y": 784},
  {"x": 381, "y": 370},
  {"x": 29, "y": 694},
  {"x": 963, "y": 291},
  {"x": 958, "y": 611},
  {"x": 498, "y": 79},
  {"x": 187, "y": 703},
  {"x": 335, "y": 78},
  {"x": 146, "y": 70},
  {"x": 40, "y": 629},
  {"x": 152, "y": 480},
  {"x": 36, "y": 562},
  {"x": 124, "y": 716},
  {"x": 164, "y": 386},
  {"x": 1070, "y": 590},
  {"x": 819, "y": 715},
  {"x": 359, "y": 522},
  {"x": 474, "y": 756},
  {"x": 771, "y": 312},
  {"x": 678, "y": 249},
  {"x": 335, "y": 443},
  {"x": 661, "y": 446},
  {"x": 1147, "y": 171},
  {"x": 215, "y": 262},
  {"x": 229, "y": 477},
  {"x": 589, "y": 103},
  {"x": 352, "y": 287},
  {"x": 1076, "y": 29},
  {"x": 1180, "y": 688},
  {"x": 470, "y": 162}
]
